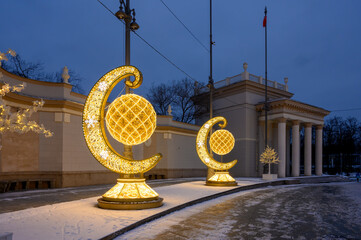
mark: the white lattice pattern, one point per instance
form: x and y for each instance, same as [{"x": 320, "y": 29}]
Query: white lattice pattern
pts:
[
  {"x": 131, "y": 119},
  {"x": 221, "y": 142},
  {"x": 201, "y": 145}
]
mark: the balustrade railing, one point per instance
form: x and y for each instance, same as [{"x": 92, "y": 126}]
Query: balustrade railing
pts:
[{"x": 243, "y": 76}]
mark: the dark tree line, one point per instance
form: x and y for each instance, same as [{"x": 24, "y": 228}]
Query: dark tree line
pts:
[
  {"x": 35, "y": 70},
  {"x": 177, "y": 94},
  {"x": 342, "y": 144}
]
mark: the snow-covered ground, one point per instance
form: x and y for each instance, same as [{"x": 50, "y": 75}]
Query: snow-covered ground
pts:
[
  {"x": 306, "y": 211},
  {"x": 82, "y": 219}
]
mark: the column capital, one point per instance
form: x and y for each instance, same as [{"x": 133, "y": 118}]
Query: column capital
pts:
[
  {"x": 319, "y": 127},
  {"x": 295, "y": 122},
  {"x": 308, "y": 125},
  {"x": 281, "y": 120}
]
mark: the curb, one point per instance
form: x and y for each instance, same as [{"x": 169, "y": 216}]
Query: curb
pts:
[{"x": 314, "y": 180}]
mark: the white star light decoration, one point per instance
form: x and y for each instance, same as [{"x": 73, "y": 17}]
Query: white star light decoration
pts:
[
  {"x": 104, "y": 154},
  {"x": 91, "y": 121},
  {"x": 103, "y": 86},
  {"x": 200, "y": 144}
]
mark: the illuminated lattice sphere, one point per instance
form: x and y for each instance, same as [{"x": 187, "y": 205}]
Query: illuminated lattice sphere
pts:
[
  {"x": 221, "y": 142},
  {"x": 131, "y": 119}
]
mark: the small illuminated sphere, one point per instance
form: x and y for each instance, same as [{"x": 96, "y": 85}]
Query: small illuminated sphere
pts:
[
  {"x": 131, "y": 119},
  {"x": 221, "y": 142}
]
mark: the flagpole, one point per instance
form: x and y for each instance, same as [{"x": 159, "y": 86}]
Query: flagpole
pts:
[{"x": 266, "y": 82}]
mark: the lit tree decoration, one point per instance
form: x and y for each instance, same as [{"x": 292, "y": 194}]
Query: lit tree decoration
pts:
[
  {"x": 3, "y": 55},
  {"x": 269, "y": 156},
  {"x": 18, "y": 121}
]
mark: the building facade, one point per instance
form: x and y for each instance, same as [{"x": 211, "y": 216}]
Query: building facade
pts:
[
  {"x": 31, "y": 161},
  {"x": 240, "y": 99}
]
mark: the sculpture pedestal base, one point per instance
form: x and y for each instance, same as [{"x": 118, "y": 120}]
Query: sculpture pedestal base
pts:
[
  {"x": 221, "y": 179},
  {"x": 129, "y": 194},
  {"x": 269, "y": 176}
]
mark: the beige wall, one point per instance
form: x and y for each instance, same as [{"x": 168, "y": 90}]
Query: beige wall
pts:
[
  {"x": 64, "y": 160},
  {"x": 240, "y": 111},
  {"x": 76, "y": 156},
  {"x": 19, "y": 152},
  {"x": 176, "y": 142},
  {"x": 50, "y": 149}
]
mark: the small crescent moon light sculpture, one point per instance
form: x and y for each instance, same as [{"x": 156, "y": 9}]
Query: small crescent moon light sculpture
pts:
[
  {"x": 221, "y": 142},
  {"x": 129, "y": 190}
]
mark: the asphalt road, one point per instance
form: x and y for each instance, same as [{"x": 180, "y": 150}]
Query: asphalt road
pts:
[{"x": 319, "y": 211}]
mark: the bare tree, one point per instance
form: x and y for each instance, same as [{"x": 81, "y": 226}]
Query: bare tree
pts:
[
  {"x": 179, "y": 95},
  {"x": 161, "y": 97},
  {"x": 185, "y": 109},
  {"x": 31, "y": 70},
  {"x": 342, "y": 141},
  {"x": 25, "y": 69}
]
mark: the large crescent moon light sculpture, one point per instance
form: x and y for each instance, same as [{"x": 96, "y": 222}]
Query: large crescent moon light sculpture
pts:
[
  {"x": 131, "y": 116},
  {"x": 221, "y": 142}
]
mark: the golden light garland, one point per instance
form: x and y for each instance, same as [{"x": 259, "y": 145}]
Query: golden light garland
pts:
[
  {"x": 201, "y": 145},
  {"x": 131, "y": 120},
  {"x": 221, "y": 142},
  {"x": 93, "y": 124},
  {"x": 221, "y": 176}
]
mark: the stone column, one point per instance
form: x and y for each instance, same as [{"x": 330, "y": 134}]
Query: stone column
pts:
[
  {"x": 288, "y": 151},
  {"x": 319, "y": 150},
  {"x": 282, "y": 147},
  {"x": 308, "y": 149},
  {"x": 295, "y": 148}
]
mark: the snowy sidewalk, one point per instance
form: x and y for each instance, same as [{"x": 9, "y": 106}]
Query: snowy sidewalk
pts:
[{"x": 82, "y": 219}]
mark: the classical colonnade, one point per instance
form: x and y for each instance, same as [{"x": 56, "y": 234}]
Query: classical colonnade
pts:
[{"x": 283, "y": 141}]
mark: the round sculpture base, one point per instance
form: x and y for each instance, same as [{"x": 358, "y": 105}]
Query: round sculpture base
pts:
[
  {"x": 221, "y": 179},
  {"x": 130, "y": 194}
]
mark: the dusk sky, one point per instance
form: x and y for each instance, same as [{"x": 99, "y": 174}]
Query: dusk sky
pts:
[{"x": 316, "y": 44}]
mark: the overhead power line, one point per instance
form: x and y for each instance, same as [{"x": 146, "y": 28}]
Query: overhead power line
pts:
[
  {"x": 190, "y": 32},
  {"x": 151, "y": 46}
]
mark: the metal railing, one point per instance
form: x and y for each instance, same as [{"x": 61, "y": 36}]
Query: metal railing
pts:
[{"x": 246, "y": 76}]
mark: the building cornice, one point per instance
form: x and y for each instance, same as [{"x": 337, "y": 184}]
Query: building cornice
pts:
[
  {"x": 245, "y": 86},
  {"x": 293, "y": 106},
  {"x": 35, "y": 82},
  {"x": 21, "y": 100},
  {"x": 176, "y": 130}
]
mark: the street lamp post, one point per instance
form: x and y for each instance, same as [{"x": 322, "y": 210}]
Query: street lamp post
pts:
[
  {"x": 210, "y": 85},
  {"x": 130, "y": 25}
]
